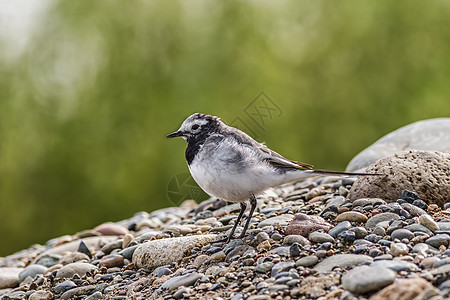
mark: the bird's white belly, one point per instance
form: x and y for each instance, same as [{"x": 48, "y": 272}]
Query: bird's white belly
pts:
[{"x": 219, "y": 182}]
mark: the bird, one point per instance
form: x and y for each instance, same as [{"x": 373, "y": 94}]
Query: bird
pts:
[{"x": 230, "y": 165}]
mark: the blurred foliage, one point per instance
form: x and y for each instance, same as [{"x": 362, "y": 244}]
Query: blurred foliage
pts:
[{"x": 85, "y": 108}]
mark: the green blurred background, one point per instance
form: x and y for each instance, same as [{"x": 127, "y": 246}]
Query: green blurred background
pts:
[{"x": 89, "y": 89}]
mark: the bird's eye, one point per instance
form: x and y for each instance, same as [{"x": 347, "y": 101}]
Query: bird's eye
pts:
[{"x": 195, "y": 127}]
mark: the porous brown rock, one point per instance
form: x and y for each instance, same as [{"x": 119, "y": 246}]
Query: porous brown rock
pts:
[
  {"x": 425, "y": 172},
  {"x": 406, "y": 290}
]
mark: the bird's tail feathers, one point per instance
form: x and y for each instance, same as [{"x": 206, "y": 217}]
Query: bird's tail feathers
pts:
[{"x": 328, "y": 172}]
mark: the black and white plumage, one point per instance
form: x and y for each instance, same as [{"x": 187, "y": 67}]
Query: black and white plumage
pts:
[{"x": 228, "y": 164}]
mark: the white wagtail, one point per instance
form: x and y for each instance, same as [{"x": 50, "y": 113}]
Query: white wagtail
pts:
[{"x": 230, "y": 165}]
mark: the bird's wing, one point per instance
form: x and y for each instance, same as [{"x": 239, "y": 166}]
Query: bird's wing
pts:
[
  {"x": 269, "y": 155},
  {"x": 280, "y": 161}
]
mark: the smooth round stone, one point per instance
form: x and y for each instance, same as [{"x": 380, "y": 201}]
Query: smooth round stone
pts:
[
  {"x": 402, "y": 234},
  {"x": 428, "y": 222},
  {"x": 374, "y": 252},
  {"x": 336, "y": 230},
  {"x": 307, "y": 261},
  {"x": 161, "y": 271},
  {"x": 442, "y": 262},
  {"x": 444, "y": 226},
  {"x": 420, "y": 248},
  {"x": 364, "y": 279},
  {"x": 383, "y": 217},
  {"x": 182, "y": 280},
  {"x": 111, "y": 261},
  {"x": 78, "y": 268},
  {"x": 295, "y": 238},
  {"x": 320, "y": 237},
  {"x": 413, "y": 210},
  {"x": 438, "y": 240},
  {"x": 108, "y": 248},
  {"x": 428, "y": 262},
  {"x": 9, "y": 277},
  {"x": 64, "y": 286},
  {"x": 348, "y": 236},
  {"x": 262, "y": 236},
  {"x": 398, "y": 249},
  {"x": 419, "y": 228},
  {"x": 111, "y": 229},
  {"x": 264, "y": 267},
  {"x": 128, "y": 252},
  {"x": 352, "y": 216},
  {"x": 41, "y": 295},
  {"x": 31, "y": 271},
  {"x": 281, "y": 267},
  {"x": 360, "y": 232},
  {"x": 379, "y": 231},
  {"x": 218, "y": 256},
  {"x": 304, "y": 224},
  {"x": 294, "y": 250}
]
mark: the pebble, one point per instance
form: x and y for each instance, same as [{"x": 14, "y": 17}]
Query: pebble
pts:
[
  {"x": 352, "y": 216},
  {"x": 9, "y": 277},
  {"x": 398, "y": 249},
  {"x": 401, "y": 234},
  {"x": 281, "y": 266},
  {"x": 342, "y": 226},
  {"x": 112, "y": 260},
  {"x": 31, "y": 271},
  {"x": 295, "y": 238},
  {"x": 365, "y": 279},
  {"x": 438, "y": 240},
  {"x": 110, "y": 229},
  {"x": 182, "y": 280},
  {"x": 64, "y": 286},
  {"x": 320, "y": 237},
  {"x": 304, "y": 224},
  {"x": 386, "y": 216},
  {"x": 264, "y": 267},
  {"x": 307, "y": 261},
  {"x": 41, "y": 295},
  {"x": 428, "y": 222},
  {"x": 78, "y": 268}
]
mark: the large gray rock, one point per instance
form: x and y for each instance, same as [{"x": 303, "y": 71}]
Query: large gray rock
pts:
[
  {"x": 341, "y": 261},
  {"x": 432, "y": 134},
  {"x": 366, "y": 279},
  {"x": 425, "y": 172},
  {"x": 162, "y": 252}
]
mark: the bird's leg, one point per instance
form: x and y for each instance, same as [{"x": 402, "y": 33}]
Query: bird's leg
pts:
[
  {"x": 241, "y": 213},
  {"x": 252, "y": 210}
]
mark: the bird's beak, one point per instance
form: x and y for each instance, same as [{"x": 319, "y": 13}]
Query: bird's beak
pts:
[{"x": 175, "y": 134}]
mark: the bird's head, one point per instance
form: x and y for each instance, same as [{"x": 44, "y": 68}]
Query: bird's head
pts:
[{"x": 197, "y": 125}]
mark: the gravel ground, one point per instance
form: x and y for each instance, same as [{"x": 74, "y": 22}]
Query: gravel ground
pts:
[{"x": 306, "y": 241}]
